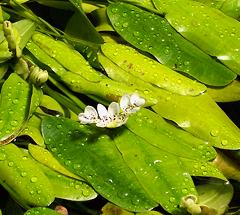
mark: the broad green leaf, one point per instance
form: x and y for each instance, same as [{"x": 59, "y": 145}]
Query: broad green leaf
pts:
[
  {"x": 83, "y": 29},
  {"x": 229, "y": 7},
  {"x": 229, "y": 93},
  {"x": 32, "y": 130},
  {"x": 203, "y": 169},
  {"x": 81, "y": 77},
  {"x": 102, "y": 22},
  {"x": 43, "y": 156},
  {"x": 68, "y": 188},
  {"x": 157, "y": 132},
  {"x": 151, "y": 71},
  {"x": 25, "y": 28},
  {"x": 42, "y": 211},
  {"x": 151, "y": 33},
  {"x": 206, "y": 27},
  {"x": 201, "y": 117},
  {"x": 14, "y": 107},
  {"x": 69, "y": 58},
  {"x": 214, "y": 196},
  {"x": 80, "y": 27},
  {"x": 160, "y": 173},
  {"x": 84, "y": 148},
  {"x": 188, "y": 112},
  {"x": 5, "y": 54},
  {"x": 23, "y": 179},
  {"x": 51, "y": 104}
]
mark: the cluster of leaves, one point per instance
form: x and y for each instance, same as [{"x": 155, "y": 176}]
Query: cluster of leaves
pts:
[{"x": 177, "y": 155}]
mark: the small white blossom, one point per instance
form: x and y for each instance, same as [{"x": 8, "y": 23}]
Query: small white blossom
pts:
[{"x": 116, "y": 115}]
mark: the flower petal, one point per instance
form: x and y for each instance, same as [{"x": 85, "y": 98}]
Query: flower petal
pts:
[
  {"x": 91, "y": 112},
  {"x": 113, "y": 109},
  {"x": 136, "y": 100},
  {"x": 85, "y": 119},
  {"x": 102, "y": 111},
  {"x": 125, "y": 102}
]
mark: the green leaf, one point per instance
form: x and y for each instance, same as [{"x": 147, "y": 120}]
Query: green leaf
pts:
[
  {"x": 200, "y": 116},
  {"x": 151, "y": 71},
  {"x": 42, "y": 211},
  {"x": 84, "y": 148},
  {"x": 229, "y": 93},
  {"x": 217, "y": 35},
  {"x": 68, "y": 188},
  {"x": 44, "y": 157},
  {"x": 81, "y": 77},
  {"x": 14, "y": 107},
  {"x": 80, "y": 27},
  {"x": 23, "y": 179},
  {"x": 25, "y": 28},
  {"x": 229, "y": 7},
  {"x": 157, "y": 132},
  {"x": 203, "y": 169},
  {"x": 214, "y": 196},
  {"x": 151, "y": 33},
  {"x": 32, "y": 130},
  {"x": 159, "y": 172}
]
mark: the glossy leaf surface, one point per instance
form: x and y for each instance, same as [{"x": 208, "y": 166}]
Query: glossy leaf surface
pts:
[
  {"x": 14, "y": 107},
  {"x": 68, "y": 188},
  {"x": 44, "y": 157},
  {"x": 221, "y": 41},
  {"x": 159, "y": 172},
  {"x": 151, "y": 71},
  {"x": 23, "y": 179},
  {"x": 151, "y": 33},
  {"x": 160, "y": 134},
  {"x": 200, "y": 116},
  {"x": 229, "y": 93},
  {"x": 42, "y": 211},
  {"x": 85, "y": 146},
  {"x": 214, "y": 196}
]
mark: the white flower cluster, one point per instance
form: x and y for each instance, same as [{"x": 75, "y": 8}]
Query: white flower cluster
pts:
[{"x": 116, "y": 115}]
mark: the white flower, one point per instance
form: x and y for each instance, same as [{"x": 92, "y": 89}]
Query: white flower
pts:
[
  {"x": 131, "y": 104},
  {"x": 116, "y": 115},
  {"x": 90, "y": 115}
]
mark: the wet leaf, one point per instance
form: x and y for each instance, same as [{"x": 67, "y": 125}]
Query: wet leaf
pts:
[
  {"x": 151, "y": 33},
  {"x": 14, "y": 107},
  {"x": 221, "y": 41},
  {"x": 85, "y": 146},
  {"x": 44, "y": 157},
  {"x": 23, "y": 179},
  {"x": 159, "y": 172},
  {"x": 214, "y": 196},
  {"x": 151, "y": 71},
  {"x": 68, "y": 188},
  {"x": 42, "y": 211},
  {"x": 229, "y": 93}
]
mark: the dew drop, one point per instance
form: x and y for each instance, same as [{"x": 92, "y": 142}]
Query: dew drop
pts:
[
  {"x": 23, "y": 174},
  {"x": 224, "y": 142},
  {"x": 172, "y": 199},
  {"x": 10, "y": 164},
  {"x": 2, "y": 156},
  {"x": 33, "y": 179},
  {"x": 214, "y": 133}
]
